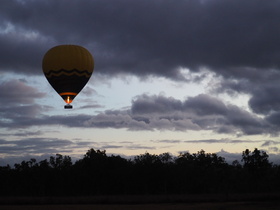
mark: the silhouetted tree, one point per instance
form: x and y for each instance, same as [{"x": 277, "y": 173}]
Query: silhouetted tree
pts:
[
  {"x": 153, "y": 172},
  {"x": 97, "y": 173},
  {"x": 60, "y": 161},
  {"x": 201, "y": 172},
  {"x": 257, "y": 169},
  {"x": 44, "y": 164},
  {"x": 256, "y": 160}
]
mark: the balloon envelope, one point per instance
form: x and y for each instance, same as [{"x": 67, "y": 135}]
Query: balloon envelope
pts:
[{"x": 68, "y": 68}]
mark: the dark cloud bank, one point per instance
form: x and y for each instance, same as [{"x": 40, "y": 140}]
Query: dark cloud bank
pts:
[
  {"x": 146, "y": 37},
  {"x": 236, "y": 39}
]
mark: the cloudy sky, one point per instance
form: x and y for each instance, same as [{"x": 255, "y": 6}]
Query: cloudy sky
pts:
[{"x": 170, "y": 76}]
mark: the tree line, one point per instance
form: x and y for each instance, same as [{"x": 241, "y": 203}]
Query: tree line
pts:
[{"x": 100, "y": 174}]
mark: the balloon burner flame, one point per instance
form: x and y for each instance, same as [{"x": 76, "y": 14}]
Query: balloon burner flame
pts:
[{"x": 68, "y": 100}]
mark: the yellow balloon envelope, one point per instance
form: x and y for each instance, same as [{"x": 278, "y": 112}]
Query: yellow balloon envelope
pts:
[{"x": 68, "y": 68}]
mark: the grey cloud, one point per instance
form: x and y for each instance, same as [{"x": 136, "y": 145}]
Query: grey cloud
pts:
[
  {"x": 17, "y": 103},
  {"x": 205, "y": 105},
  {"x": 199, "y": 112},
  {"x": 147, "y": 37},
  {"x": 39, "y": 146},
  {"x": 247, "y": 122},
  {"x": 18, "y": 92},
  {"x": 38, "y": 142},
  {"x": 168, "y": 141},
  {"x": 195, "y": 113},
  {"x": 21, "y": 50},
  {"x": 266, "y": 99},
  {"x": 201, "y": 105},
  {"x": 28, "y": 133},
  {"x": 111, "y": 147},
  {"x": 274, "y": 158},
  {"x": 21, "y": 116},
  {"x": 13, "y": 112},
  {"x": 130, "y": 146},
  {"x": 145, "y": 104},
  {"x": 24, "y": 133},
  {"x": 274, "y": 118},
  {"x": 275, "y": 150},
  {"x": 270, "y": 143},
  {"x": 137, "y": 146},
  {"x": 219, "y": 141},
  {"x": 94, "y": 106},
  {"x": 263, "y": 89},
  {"x": 33, "y": 145}
]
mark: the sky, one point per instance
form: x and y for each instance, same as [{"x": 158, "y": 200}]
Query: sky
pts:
[{"x": 169, "y": 76}]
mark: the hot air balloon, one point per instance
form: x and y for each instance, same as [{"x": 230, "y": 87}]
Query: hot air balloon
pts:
[{"x": 68, "y": 69}]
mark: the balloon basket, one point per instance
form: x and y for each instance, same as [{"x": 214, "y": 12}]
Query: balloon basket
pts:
[{"x": 68, "y": 106}]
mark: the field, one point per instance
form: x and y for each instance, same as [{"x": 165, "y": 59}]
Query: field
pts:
[{"x": 148, "y": 202}]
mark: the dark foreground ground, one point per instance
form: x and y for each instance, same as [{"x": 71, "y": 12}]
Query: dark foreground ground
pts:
[
  {"x": 146, "y": 202},
  {"x": 166, "y": 206}
]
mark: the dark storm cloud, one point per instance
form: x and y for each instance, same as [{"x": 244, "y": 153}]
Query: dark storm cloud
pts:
[
  {"x": 266, "y": 98},
  {"x": 263, "y": 89},
  {"x": 274, "y": 118},
  {"x": 145, "y": 37}
]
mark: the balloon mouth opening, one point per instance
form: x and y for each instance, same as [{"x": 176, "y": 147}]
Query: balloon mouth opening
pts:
[{"x": 68, "y": 97}]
